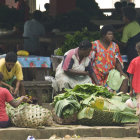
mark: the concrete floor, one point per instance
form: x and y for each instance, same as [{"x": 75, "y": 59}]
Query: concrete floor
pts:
[
  {"x": 85, "y": 132},
  {"x": 97, "y": 138}
]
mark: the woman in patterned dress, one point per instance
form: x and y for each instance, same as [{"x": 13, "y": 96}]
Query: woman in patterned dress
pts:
[{"x": 105, "y": 56}]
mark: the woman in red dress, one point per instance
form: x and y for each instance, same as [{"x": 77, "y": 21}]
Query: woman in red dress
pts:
[{"x": 105, "y": 56}]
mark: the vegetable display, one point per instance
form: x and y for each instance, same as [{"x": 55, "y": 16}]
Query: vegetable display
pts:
[{"x": 94, "y": 105}]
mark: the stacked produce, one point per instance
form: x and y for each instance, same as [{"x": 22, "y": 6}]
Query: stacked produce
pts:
[
  {"x": 94, "y": 105},
  {"x": 29, "y": 115}
]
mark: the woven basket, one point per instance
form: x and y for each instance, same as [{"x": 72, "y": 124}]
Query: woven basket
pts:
[
  {"x": 70, "y": 120},
  {"x": 29, "y": 115},
  {"x": 100, "y": 118}
]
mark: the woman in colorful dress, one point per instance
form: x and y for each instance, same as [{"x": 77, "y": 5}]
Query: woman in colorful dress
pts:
[
  {"x": 75, "y": 68},
  {"x": 105, "y": 56}
]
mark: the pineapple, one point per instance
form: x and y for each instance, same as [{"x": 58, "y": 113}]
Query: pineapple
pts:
[
  {"x": 99, "y": 103},
  {"x": 92, "y": 104}
]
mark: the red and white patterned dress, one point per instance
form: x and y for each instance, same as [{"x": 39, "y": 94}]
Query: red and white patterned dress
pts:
[{"x": 104, "y": 60}]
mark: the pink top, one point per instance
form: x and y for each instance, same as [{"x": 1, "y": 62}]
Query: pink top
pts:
[
  {"x": 134, "y": 68},
  {"x": 5, "y": 96},
  {"x": 70, "y": 59}
]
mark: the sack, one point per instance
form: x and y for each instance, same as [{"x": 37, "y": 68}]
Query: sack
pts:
[{"x": 114, "y": 79}]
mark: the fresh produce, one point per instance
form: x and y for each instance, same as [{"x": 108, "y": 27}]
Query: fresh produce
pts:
[
  {"x": 95, "y": 106},
  {"x": 22, "y": 53},
  {"x": 99, "y": 103}
]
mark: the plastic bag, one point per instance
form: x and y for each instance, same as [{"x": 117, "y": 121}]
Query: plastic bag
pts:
[{"x": 30, "y": 138}]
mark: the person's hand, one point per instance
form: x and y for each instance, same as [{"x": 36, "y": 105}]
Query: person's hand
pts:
[
  {"x": 85, "y": 73},
  {"x": 16, "y": 91},
  {"x": 11, "y": 89},
  {"x": 25, "y": 99},
  {"x": 131, "y": 93},
  {"x": 125, "y": 75}
]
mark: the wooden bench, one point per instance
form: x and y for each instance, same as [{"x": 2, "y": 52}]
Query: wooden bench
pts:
[{"x": 38, "y": 88}]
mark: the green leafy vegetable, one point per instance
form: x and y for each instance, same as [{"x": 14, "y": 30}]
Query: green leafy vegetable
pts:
[{"x": 66, "y": 107}]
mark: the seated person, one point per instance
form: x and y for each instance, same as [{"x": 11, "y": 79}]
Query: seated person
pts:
[
  {"x": 33, "y": 29},
  {"x": 105, "y": 56},
  {"x": 75, "y": 68},
  {"x": 12, "y": 71},
  {"x": 5, "y": 96}
]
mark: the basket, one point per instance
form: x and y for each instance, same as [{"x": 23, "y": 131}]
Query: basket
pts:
[
  {"x": 100, "y": 118},
  {"x": 29, "y": 115},
  {"x": 70, "y": 120}
]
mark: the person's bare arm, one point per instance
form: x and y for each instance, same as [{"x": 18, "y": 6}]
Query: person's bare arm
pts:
[
  {"x": 17, "y": 87},
  {"x": 76, "y": 72},
  {"x": 9, "y": 86},
  {"x": 94, "y": 78},
  {"x": 119, "y": 68},
  {"x": 92, "y": 75},
  {"x": 16, "y": 103},
  {"x": 131, "y": 89}
]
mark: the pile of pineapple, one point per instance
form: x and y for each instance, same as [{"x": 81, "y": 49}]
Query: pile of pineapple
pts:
[
  {"x": 98, "y": 103},
  {"x": 29, "y": 115}
]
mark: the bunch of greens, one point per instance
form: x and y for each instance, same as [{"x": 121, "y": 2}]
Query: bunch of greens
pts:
[
  {"x": 66, "y": 108},
  {"x": 73, "y": 40},
  {"x": 73, "y": 100},
  {"x": 88, "y": 100}
]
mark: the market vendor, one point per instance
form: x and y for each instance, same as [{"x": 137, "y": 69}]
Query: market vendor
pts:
[
  {"x": 12, "y": 72},
  {"x": 5, "y": 96},
  {"x": 130, "y": 34},
  {"x": 75, "y": 68},
  {"x": 107, "y": 61}
]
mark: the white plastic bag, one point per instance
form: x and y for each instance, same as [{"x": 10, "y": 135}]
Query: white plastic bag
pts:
[
  {"x": 129, "y": 103},
  {"x": 30, "y": 138}
]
